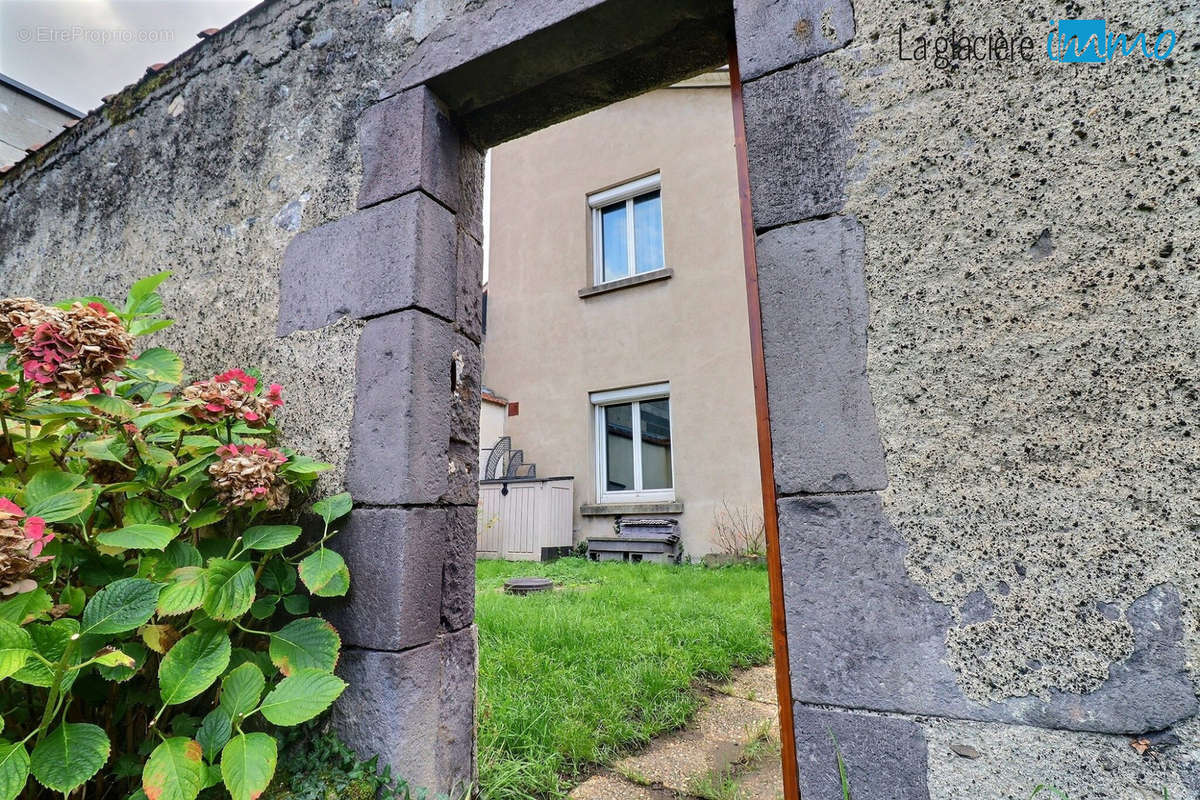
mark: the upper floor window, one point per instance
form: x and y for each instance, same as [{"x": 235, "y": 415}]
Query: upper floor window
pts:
[{"x": 627, "y": 232}]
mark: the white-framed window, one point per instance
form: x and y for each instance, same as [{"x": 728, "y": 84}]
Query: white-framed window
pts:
[
  {"x": 634, "y": 461},
  {"x": 627, "y": 230}
]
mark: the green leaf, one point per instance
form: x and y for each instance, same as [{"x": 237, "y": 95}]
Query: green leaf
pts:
[
  {"x": 184, "y": 554},
  {"x": 185, "y": 591},
  {"x": 241, "y": 690},
  {"x": 230, "y": 588},
  {"x": 213, "y": 778},
  {"x": 61, "y": 506},
  {"x": 270, "y": 537},
  {"x": 264, "y": 607},
  {"x": 338, "y": 585},
  {"x": 14, "y": 769},
  {"x": 302, "y": 696},
  {"x": 192, "y": 665},
  {"x": 206, "y": 516},
  {"x": 15, "y": 647},
  {"x": 140, "y": 537},
  {"x": 247, "y": 764},
  {"x": 143, "y": 288},
  {"x": 145, "y": 419},
  {"x": 214, "y": 732},
  {"x": 42, "y": 412},
  {"x": 296, "y": 604},
  {"x": 144, "y": 327},
  {"x": 69, "y": 756},
  {"x": 105, "y": 449},
  {"x": 175, "y": 770},
  {"x": 121, "y": 674},
  {"x": 303, "y": 465},
  {"x": 309, "y": 643},
  {"x": 279, "y": 576},
  {"x": 115, "y": 658},
  {"x": 51, "y": 642},
  {"x": 121, "y": 606},
  {"x": 48, "y": 483},
  {"x": 335, "y": 507},
  {"x": 141, "y": 510},
  {"x": 111, "y": 406},
  {"x": 26, "y": 607},
  {"x": 157, "y": 364},
  {"x": 325, "y": 574},
  {"x": 74, "y": 597},
  {"x": 158, "y": 456}
]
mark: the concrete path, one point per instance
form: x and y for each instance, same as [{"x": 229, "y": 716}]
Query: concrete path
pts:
[{"x": 730, "y": 751}]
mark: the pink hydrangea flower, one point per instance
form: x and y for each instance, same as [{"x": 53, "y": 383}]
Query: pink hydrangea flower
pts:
[{"x": 35, "y": 529}]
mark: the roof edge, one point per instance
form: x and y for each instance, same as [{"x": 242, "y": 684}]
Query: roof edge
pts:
[{"x": 34, "y": 94}]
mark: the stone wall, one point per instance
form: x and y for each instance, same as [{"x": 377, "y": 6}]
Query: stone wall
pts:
[
  {"x": 979, "y": 289},
  {"x": 239, "y": 167}
]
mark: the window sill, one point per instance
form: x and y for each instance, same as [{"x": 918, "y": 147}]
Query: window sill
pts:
[
  {"x": 615, "y": 509},
  {"x": 625, "y": 283}
]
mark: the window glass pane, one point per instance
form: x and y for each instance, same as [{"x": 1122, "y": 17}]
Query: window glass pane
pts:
[
  {"x": 647, "y": 232},
  {"x": 618, "y": 425},
  {"x": 656, "y": 444},
  {"x": 616, "y": 255}
]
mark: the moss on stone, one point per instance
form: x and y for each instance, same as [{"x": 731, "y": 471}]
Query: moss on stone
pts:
[{"x": 120, "y": 107}]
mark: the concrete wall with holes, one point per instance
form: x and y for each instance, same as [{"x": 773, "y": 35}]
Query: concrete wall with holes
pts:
[
  {"x": 978, "y": 286},
  {"x": 989, "y": 482}
]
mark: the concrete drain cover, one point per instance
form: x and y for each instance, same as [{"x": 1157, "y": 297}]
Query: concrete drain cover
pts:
[{"x": 528, "y": 585}]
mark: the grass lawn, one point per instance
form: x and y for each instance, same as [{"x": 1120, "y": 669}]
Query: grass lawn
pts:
[{"x": 582, "y": 674}]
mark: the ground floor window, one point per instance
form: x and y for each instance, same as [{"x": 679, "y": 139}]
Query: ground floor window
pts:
[{"x": 633, "y": 444}]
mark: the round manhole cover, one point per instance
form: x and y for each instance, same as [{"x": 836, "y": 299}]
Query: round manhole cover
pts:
[{"x": 527, "y": 585}]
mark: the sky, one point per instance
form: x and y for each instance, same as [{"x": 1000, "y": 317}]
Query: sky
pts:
[{"x": 77, "y": 51}]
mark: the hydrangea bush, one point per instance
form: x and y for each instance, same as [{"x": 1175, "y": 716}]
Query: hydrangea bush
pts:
[{"x": 154, "y": 599}]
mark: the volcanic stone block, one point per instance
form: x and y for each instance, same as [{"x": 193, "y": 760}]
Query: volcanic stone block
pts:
[
  {"x": 464, "y": 405},
  {"x": 484, "y": 30},
  {"x": 798, "y": 137},
  {"x": 468, "y": 316},
  {"x": 462, "y": 488},
  {"x": 458, "y": 571},
  {"x": 396, "y": 559},
  {"x": 814, "y": 308},
  {"x": 508, "y": 67},
  {"x": 408, "y": 143},
  {"x": 415, "y": 709},
  {"x": 401, "y": 254},
  {"x": 401, "y": 426},
  {"x": 470, "y": 189},
  {"x": 871, "y": 638},
  {"x": 885, "y": 757},
  {"x": 459, "y": 658},
  {"x": 772, "y": 34}
]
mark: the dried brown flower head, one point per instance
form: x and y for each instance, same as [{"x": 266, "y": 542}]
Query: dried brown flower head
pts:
[
  {"x": 16, "y": 312},
  {"x": 248, "y": 473},
  {"x": 71, "y": 349},
  {"x": 231, "y": 394},
  {"x": 21, "y": 541}
]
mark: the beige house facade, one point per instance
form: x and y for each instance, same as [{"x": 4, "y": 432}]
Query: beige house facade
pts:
[{"x": 617, "y": 330}]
